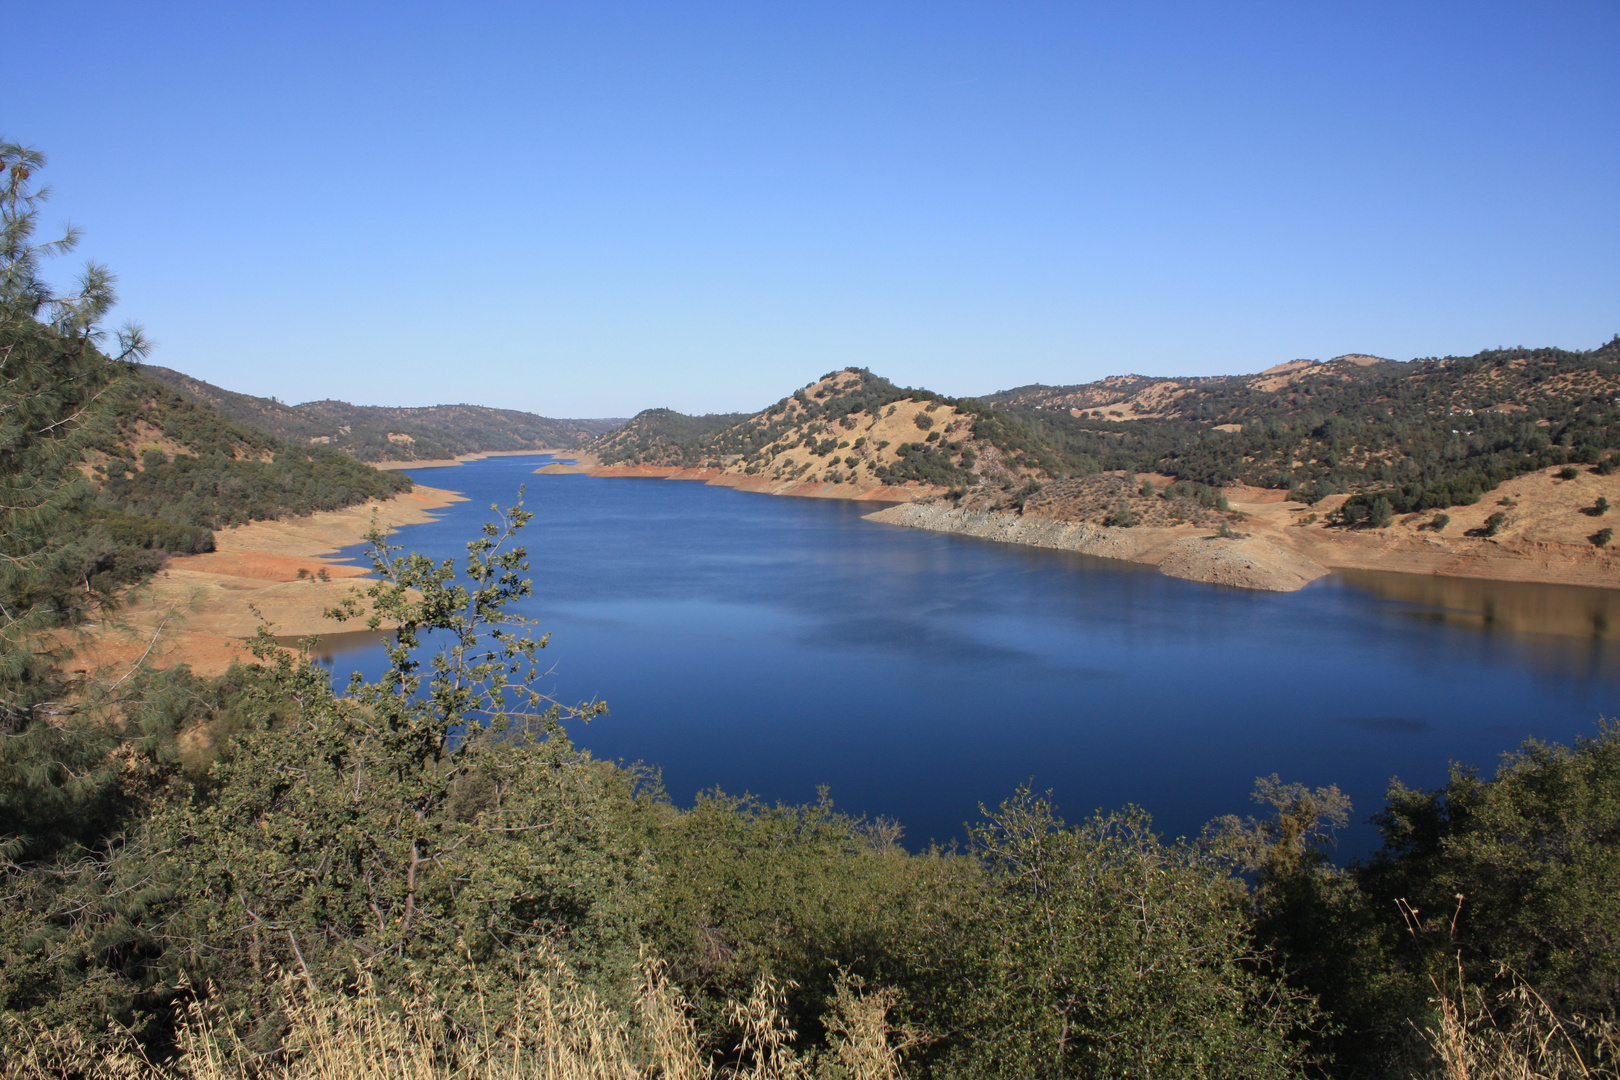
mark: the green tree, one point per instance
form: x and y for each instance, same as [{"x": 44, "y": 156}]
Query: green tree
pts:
[
  {"x": 51, "y": 370},
  {"x": 1382, "y": 513},
  {"x": 1531, "y": 852},
  {"x": 1316, "y": 920},
  {"x": 419, "y": 827}
]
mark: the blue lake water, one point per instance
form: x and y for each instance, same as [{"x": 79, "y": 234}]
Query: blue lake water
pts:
[{"x": 772, "y": 645}]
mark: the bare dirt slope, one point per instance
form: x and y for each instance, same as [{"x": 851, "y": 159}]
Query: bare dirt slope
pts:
[
  {"x": 200, "y": 608},
  {"x": 1181, "y": 551},
  {"x": 1547, "y": 536}
]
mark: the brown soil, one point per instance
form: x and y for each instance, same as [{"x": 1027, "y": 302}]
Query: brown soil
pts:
[
  {"x": 1546, "y": 538},
  {"x": 199, "y": 609},
  {"x": 1184, "y": 552}
]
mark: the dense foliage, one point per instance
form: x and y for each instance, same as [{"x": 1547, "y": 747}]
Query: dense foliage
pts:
[
  {"x": 437, "y": 829},
  {"x": 664, "y": 437},
  {"x": 53, "y": 572},
  {"x": 199, "y": 470}
]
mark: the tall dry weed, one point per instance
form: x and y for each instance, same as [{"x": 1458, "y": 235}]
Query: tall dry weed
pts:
[
  {"x": 555, "y": 1030},
  {"x": 1470, "y": 1042}
]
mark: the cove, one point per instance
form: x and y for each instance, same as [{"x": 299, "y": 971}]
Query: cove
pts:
[{"x": 772, "y": 645}]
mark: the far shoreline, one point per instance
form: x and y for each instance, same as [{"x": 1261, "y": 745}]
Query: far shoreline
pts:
[
  {"x": 198, "y": 606},
  {"x": 447, "y": 463},
  {"x": 1283, "y": 545}
]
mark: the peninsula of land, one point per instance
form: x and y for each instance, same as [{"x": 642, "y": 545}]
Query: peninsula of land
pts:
[{"x": 199, "y": 610}]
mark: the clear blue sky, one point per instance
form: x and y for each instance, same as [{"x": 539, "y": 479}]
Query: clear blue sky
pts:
[{"x": 594, "y": 208}]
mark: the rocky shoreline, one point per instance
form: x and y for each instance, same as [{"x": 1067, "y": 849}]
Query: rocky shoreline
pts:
[
  {"x": 764, "y": 485},
  {"x": 1196, "y": 555},
  {"x": 1279, "y": 546}
]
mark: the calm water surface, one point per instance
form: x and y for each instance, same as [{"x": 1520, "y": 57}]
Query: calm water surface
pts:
[{"x": 771, "y": 645}]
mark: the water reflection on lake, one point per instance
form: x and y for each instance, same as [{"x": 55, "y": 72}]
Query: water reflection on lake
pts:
[
  {"x": 1506, "y": 606},
  {"x": 774, "y": 644},
  {"x": 330, "y": 649}
]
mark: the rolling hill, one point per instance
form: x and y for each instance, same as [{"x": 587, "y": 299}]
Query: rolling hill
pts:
[
  {"x": 1423, "y": 434},
  {"x": 381, "y": 433}
]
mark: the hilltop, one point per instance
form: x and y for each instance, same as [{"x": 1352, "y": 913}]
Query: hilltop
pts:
[
  {"x": 381, "y": 433},
  {"x": 849, "y": 434}
]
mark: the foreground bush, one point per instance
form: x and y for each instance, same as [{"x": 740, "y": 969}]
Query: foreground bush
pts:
[{"x": 434, "y": 833}]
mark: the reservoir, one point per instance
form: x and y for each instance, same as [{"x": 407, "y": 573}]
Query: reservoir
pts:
[{"x": 773, "y": 645}]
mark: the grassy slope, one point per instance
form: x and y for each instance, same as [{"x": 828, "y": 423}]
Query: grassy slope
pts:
[{"x": 849, "y": 426}]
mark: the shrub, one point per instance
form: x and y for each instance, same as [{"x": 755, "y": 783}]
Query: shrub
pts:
[
  {"x": 1102, "y": 951},
  {"x": 1602, "y": 537},
  {"x": 1533, "y": 852},
  {"x": 1381, "y": 514},
  {"x": 1494, "y": 523},
  {"x": 1440, "y": 521}
]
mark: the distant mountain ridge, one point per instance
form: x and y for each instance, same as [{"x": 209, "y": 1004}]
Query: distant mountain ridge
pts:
[
  {"x": 382, "y": 433},
  {"x": 849, "y": 428}
]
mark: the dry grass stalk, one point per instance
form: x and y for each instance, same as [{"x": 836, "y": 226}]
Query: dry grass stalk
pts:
[
  {"x": 1469, "y": 1043},
  {"x": 864, "y": 1042},
  {"x": 556, "y": 1030},
  {"x": 62, "y": 1053},
  {"x": 1537, "y": 1045}
]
